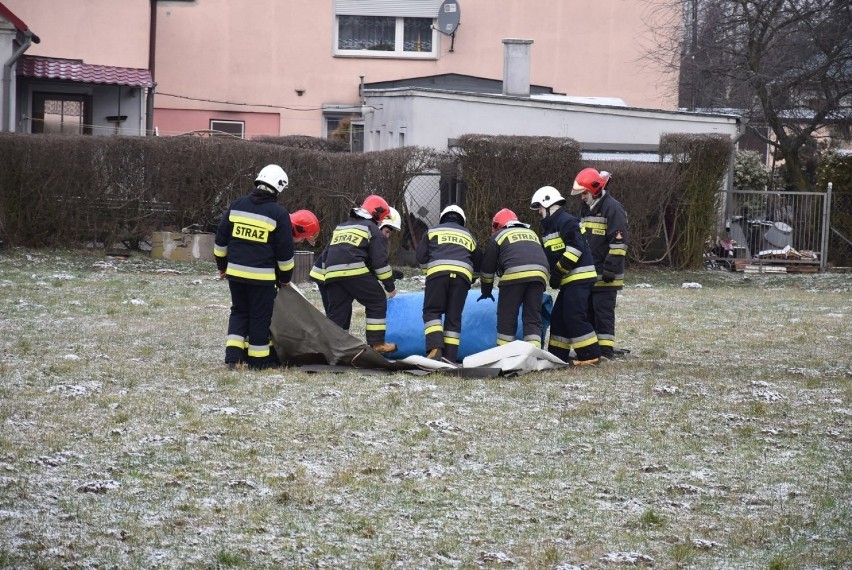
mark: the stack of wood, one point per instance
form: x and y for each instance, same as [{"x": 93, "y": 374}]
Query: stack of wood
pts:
[
  {"x": 787, "y": 260},
  {"x": 788, "y": 253}
]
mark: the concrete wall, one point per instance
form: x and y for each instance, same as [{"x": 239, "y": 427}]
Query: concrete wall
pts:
[{"x": 431, "y": 118}]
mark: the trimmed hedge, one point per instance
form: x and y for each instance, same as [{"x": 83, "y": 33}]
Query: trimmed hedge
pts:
[
  {"x": 60, "y": 190},
  {"x": 700, "y": 162},
  {"x": 837, "y": 169}
]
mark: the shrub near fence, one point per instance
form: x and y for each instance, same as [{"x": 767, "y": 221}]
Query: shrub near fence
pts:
[
  {"x": 66, "y": 190},
  {"x": 644, "y": 189},
  {"x": 505, "y": 171},
  {"x": 63, "y": 190},
  {"x": 837, "y": 169},
  {"x": 700, "y": 162}
]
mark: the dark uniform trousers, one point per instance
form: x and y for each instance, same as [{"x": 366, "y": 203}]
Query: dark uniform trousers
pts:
[
  {"x": 366, "y": 290},
  {"x": 444, "y": 295},
  {"x": 512, "y": 296},
  {"x": 569, "y": 327},
  {"x": 602, "y": 316},
  {"x": 248, "y": 325}
]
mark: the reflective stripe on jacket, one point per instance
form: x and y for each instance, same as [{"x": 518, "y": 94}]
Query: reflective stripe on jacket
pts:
[
  {"x": 515, "y": 255},
  {"x": 446, "y": 249},
  {"x": 566, "y": 249},
  {"x": 605, "y": 224},
  {"x": 254, "y": 240},
  {"x": 357, "y": 247}
]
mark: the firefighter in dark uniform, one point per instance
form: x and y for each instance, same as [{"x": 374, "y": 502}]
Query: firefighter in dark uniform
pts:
[
  {"x": 450, "y": 258},
  {"x": 317, "y": 275},
  {"x": 515, "y": 255},
  {"x": 254, "y": 250},
  {"x": 605, "y": 223},
  {"x": 356, "y": 260},
  {"x": 390, "y": 224},
  {"x": 572, "y": 271}
]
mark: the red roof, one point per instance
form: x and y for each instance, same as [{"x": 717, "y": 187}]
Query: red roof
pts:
[{"x": 76, "y": 70}]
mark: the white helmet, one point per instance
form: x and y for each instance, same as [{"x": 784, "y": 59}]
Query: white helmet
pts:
[
  {"x": 393, "y": 221},
  {"x": 453, "y": 209},
  {"x": 273, "y": 177},
  {"x": 546, "y": 196}
]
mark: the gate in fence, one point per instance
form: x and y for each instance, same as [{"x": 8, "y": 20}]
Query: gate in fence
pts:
[
  {"x": 772, "y": 229},
  {"x": 426, "y": 195}
]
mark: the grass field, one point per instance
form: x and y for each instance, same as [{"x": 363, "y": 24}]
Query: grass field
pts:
[{"x": 722, "y": 441}]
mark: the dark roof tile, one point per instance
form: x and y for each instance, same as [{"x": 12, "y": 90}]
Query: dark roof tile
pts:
[{"x": 77, "y": 71}]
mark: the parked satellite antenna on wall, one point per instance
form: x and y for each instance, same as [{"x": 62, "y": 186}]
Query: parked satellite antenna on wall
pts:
[{"x": 449, "y": 18}]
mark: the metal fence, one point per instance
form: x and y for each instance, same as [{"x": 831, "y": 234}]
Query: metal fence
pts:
[
  {"x": 794, "y": 229},
  {"x": 840, "y": 231},
  {"x": 767, "y": 228},
  {"x": 424, "y": 199}
]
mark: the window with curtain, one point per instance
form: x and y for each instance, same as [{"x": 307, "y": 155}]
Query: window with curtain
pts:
[{"x": 384, "y": 36}]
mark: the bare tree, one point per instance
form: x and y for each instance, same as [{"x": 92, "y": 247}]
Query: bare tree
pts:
[{"x": 786, "y": 64}]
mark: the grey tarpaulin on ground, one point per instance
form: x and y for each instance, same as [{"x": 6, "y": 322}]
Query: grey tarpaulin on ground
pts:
[{"x": 303, "y": 335}]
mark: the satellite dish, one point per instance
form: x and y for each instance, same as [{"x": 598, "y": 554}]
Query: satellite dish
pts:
[{"x": 449, "y": 16}]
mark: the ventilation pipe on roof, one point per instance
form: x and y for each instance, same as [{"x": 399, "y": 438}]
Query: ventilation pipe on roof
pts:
[
  {"x": 516, "y": 67},
  {"x": 8, "y": 102}
]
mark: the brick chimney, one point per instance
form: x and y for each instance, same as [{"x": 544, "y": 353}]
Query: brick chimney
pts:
[{"x": 516, "y": 67}]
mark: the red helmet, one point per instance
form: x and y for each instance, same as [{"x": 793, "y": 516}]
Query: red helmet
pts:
[
  {"x": 591, "y": 181},
  {"x": 502, "y": 218},
  {"x": 305, "y": 225},
  {"x": 377, "y": 207}
]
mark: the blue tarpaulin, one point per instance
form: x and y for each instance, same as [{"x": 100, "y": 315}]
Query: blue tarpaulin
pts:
[{"x": 479, "y": 324}]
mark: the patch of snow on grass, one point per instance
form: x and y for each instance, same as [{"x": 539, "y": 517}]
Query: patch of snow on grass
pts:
[
  {"x": 75, "y": 389},
  {"x": 98, "y": 486},
  {"x": 627, "y": 558},
  {"x": 769, "y": 396}
]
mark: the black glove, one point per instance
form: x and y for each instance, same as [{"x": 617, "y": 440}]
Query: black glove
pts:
[
  {"x": 397, "y": 274},
  {"x": 555, "y": 280},
  {"x": 485, "y": 296},
  {"x": 608, "y": 276}
]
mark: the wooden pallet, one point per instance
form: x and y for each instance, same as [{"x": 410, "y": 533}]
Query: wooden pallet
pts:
[{"x": 774, "y": 266}]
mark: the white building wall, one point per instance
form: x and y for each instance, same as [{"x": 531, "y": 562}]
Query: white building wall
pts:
[
  {"x": 430, "y": 119},
  {"x": 7, "y": 48}
]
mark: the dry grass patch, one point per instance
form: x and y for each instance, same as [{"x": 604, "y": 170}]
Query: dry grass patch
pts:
[{"x": 723, "y": 440}]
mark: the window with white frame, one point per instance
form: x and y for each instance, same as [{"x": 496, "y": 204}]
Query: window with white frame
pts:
[{"x": 386, "y": 28}]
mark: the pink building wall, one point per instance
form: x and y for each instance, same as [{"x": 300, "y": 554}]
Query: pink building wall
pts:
[
  {"x": 100, "y": 32},
  {"x": 254, "y": 56},
  {"x": 263, "y": 51},
  {"x": 184, "y": 121}
]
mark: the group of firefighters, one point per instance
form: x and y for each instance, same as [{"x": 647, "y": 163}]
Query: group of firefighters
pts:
[{"x": 583, "y": 258}]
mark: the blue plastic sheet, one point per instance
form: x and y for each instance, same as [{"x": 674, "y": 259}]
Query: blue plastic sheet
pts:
[{"x": 479, "y": 323}]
